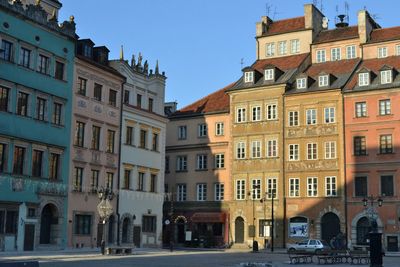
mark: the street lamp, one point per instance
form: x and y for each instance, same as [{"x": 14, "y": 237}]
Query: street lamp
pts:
[
  {"x": 375, "y": 238},
  {"x": 252, "y": 193},
  {"x": 105, "y": 210},
  {"x": 169, "y": 221},
  {"x": 271, "y": 195}
]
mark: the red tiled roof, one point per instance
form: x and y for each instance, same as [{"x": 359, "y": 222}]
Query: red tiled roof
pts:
[
  {"x": 333, "y": 67},
  {"x": 387, "y": 34},
  {"x": 282, "y": 63},
  {"x": 286, "y": 25},
  {"x": 375, "y": 65},
  {"x": 214, "y": 102},
  {"x": 337, "y": 34}
]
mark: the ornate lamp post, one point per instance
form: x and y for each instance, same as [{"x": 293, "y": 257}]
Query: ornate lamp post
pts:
[
  {"x": 105, "y": 210},
  {"x": 264, "y": 200},
  {"x": 169, "y": 221},
  {"x": 375, "y": 238},
  {"x": 252, "y": 193}
]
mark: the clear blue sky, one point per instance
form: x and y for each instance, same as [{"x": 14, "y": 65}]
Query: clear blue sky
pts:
[{"x": 199, "y": 43}]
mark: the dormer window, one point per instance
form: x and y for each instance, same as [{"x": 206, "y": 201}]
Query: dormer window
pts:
[
  {"x": 269, "y": 74},
  {"x": 301, "y": 83},
  {"x": 363, "y": 79},
  {"x": 248, "y": 76},
  {"x": 87, "y": 50},
  {"x": 323, "y": 80},
  {"x": 382, "y": 52},
  {"x": 386, "y": 76}
]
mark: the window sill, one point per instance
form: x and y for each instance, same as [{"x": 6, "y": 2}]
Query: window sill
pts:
[
  {"x": 219, "y": 169},
  {"x": 360, "y": 117},
  {"x": 80, "y": 147},
  {"x": 61, "y": 80},
  {"x": 202, "y": 137},
  {"x": 43, "y": 73},
  {"x": 201, "y": 170},
  {"x": 181, "y": 139},
  {"x": 181, "y": 171},
  {"x": 57, "y": 125},
  {"x": 385, "y": 115},
  {"x": 361, "y": 155},
  {"x": 383, "y": 154},
  {"x": 82, "y": 95},
  {"x": 131, "y": 145}
]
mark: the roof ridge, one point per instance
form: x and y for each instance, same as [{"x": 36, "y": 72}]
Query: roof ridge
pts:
[
  {"x": 388, "y": 28},
  {"x": 299, "y": 17}
]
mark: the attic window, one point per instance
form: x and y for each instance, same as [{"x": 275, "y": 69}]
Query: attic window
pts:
[
  {"x": 87, "y": 50},
  {"x": 248, "y": 77},
  {"x": 323, "y": 80},
  {"x": 363, "y": 79},
  {"x": 382, "y": 52},
  {"x": 301, "y": 83},
  {"x": 269, "y": 74},
  {"x": 386, "y": 76}
]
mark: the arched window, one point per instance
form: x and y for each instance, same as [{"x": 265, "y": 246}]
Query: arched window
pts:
[
  {"x": 298, "y": 227},
  {"x": 363, "y": 228}
]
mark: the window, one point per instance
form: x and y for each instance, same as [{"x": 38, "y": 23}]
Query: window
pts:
[
  {"x": 294, "y": 152},
  {"x": 181, "y": 192},
  {"x": 153, "y": 183},
  {"x": 154, "y": 145},
  {"x": 321, "y": 56},
  {"x": 256, "y": 113},
  {"x": 351, "y": 52},
  {"x": 97, "y": 91},
  {"x": 79, "y": 134},
  {"x": 282, "y": 48},
  {"x": 329, "y": 115},
  {"x": 270, "y": 49},
  {"x": 219, "y": 128},
  {"x": 94, "y": 182},
  {"x": 362, "y": 231},
  {"x": 312, "y": 186},
  {"x": 248, "y": 77},
  {"x": 202, "y": 130},
  {"x": 110, "y": 141},
  {"x": 149, "y": 224},
  {"x": 387, "y": 185},
  {"x": 311, "y": 116},
  {"x": 382, "y": 52},
  {"x": 272, "y": 188},
  {"x": 385, "y": 144},
  {"x": 37, "y": 163},
  {"x": 96, "y": 137},
  {"x": 335, "y": 54},
  {"x": 40, "y": 109},
  {"x": 110, "y": 180},
  {"x": 295, "y": 46},
  {"x": 240, "y": 189},
  {"x": 272, "y": 113},
  {"x": 6, "y": 50},
  {"x": 140, "y": 186},
  {"x": 201, "y": 162},
  {"x": 25, "y": 57},
  {"x": 256, "y": 189},
  {"x": 83, "y": 224},
  {"x": 384, "y": 107},
  {"x": 182, "y": 132},
  {"x": 167, "y": 164},
  {"x": 54, "y": 166},
  {"x": 82, "y": 83},
  {"x": 397, "y": 50},
  {"x": 11, "y": 222},
  {"x": 126, "y": 96},
  {"x": 360, "y": 146},
  {"x": 139, "y": 100},
  {"x": 201, "y": 192},
  {"x": 241, "y": 115},
  {"x": 360, "y": 186},
  {"x": 311, "y": 151},
  {"x": 43, "y": 64},
  {"x": 330, "y": 186},
  {"x": 181, "y": 163},
  {"x": 3, "y": 161},
  {"x": 4, "y": 95},
  {"x": 87, "y": 51},
  {"x": 323, "y": 80},
  {"x": 240, "y": 150},
  {"x": 19, "y": 160},
  {"x": 129, "y": 135},
  {"x": 220, "y": 161},
  {"x": 218, "y": 191},
  {"x": 294, "y": 187},
  {"x": 269, "y": 74},
  {"x": 143, "y": 138},
  {"x": 256, "y": 149},
  {"x": 363, "y": 79},
  {"x": 57, "y": 113},
  {"x": 78, "y": 179},
  {"x": 330, "y": 150},
  {"x": 301, "y": 83},
  {"x": 386, "y": 76},
  {"x": 272, "y": 148},
  {"x": 293, "y": 118},
  {"x": 112, "y": 98},
  {"x": 361, "y": 109},
  {"x": 59, "y": 73},
  {"x": 22, "y": 105}
]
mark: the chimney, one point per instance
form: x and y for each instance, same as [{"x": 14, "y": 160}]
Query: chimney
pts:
[
  {"x": 262, "y": 26},
  {"x": 313, "y": 18},
  {"x": 365, "y": 26}
]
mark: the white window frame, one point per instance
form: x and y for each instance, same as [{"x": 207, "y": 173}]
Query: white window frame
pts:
[
  {"x": 330, "y": 115},
  {"x": 295, "y": 46},
  {"x": 240, "y": 189},
  {"x": 220, "y": 161},
  {"x": 323, "y": 80},
  {"x": 311, "y": 116},
  {"x": 269, "y": 74},
  {"x": 312, "y": 186},
  {"x": 312, "y": 151},
  {"x": 282, "y": 48},
  {"x": 301, "y": 83},
  {"x": 363, "y": 79},
  {"x": 270, "y": 49},
  {"x": 255, "y": 189},
  {"x": 249, "y": 76},
  {"x": 330, "y": 186},
  {"x": 202, "y": 130},
  {"x": 397, "y": 50},
  {"x": 293, "y": 118},
  {"x": 294, "y": 187},
  {"x": 201, "y": 162},
  {"x": 272, "y": 112},
  {"x": 384, "y": 107},
  {"x": 386, "y": 76},
  {"x": 272, "y": 148},
  {"x": 181, "y": 192},
  {"x": 181, "y": 163},
  {"x": 336, "y": 53},
  {"x": 240, "y": 115},
  {"x": 201, "y": 190},
  {"x": 182, "y": 132},
  {"x": 271, "y": 187},
  {"x": 330, "y": 150},
  {"x": 256, "y": 113},
  {"x": 219, "y": 190},
  {"x": 255, "y": 149},
  {"x": 219, "y": 128},
  {"x": 351, "y": 52},
  {"x": 240, "y": 150},
  {"x": 321, "y": 56},
  {"x": 294, "y": 151},
  {"x": 382, "y": 52}
]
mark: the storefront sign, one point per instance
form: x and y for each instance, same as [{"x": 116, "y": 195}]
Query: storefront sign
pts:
[{"x": 298, "y": 229}]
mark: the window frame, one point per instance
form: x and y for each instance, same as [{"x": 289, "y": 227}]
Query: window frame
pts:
[
  {"x": 293, "y": 118},
  {"x": 320, "y": 56},
  {"x": 219, "y": 128},
  {"x": 311, "y": 116},
  {"x": 363, "y": 79},
  {"x": 294, "y": 152},
  {"x": 240, "y": 189},
  {"x": 384, "y": 107},
  {"x": 336, "y": 54},
  {"x": 330, "y": 115},
  {"x": 256, "y": 113},
  {"x": 272, "y": 112},
  {"x": 312, "y": 186},
  {"x": 294, "y": 187},
  {"x": 269, "y": 74},
  {"x": 249, "y": 76},
  {"x": 301, "y": 83},
  {"x": 330, "y": 186},
  {"x": 386, "y": 76}
]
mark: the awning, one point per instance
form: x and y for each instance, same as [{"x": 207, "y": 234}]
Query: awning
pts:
[{"x": 214, "y": 217}]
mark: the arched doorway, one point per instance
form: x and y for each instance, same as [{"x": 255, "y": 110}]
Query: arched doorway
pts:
[
  {"x": 330, "y": 226},
  {"x": 239, "y": 230},
  {"x": 111, "y": 229},
  {"x": 125, "y": 230},
  {"x": 180, "y": 226},
  {"x": 48, "y": 220},
  {"x": 362, "y": 230}
]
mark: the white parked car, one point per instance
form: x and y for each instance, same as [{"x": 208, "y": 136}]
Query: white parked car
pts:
[{"x": 309, "y": 245}]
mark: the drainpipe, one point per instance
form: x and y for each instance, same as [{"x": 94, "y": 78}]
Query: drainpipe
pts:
[
  {"x": 344, "y": 171},
  {"x": 283, "y": 169}
]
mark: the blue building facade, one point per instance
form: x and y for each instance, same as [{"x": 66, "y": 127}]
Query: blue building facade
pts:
[{"x": 36, "y": 78}]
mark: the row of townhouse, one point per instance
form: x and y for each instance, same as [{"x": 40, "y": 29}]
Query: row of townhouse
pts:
[
  {"x": 73, "y": 123},
  {"x": 310, "y": 128}
]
